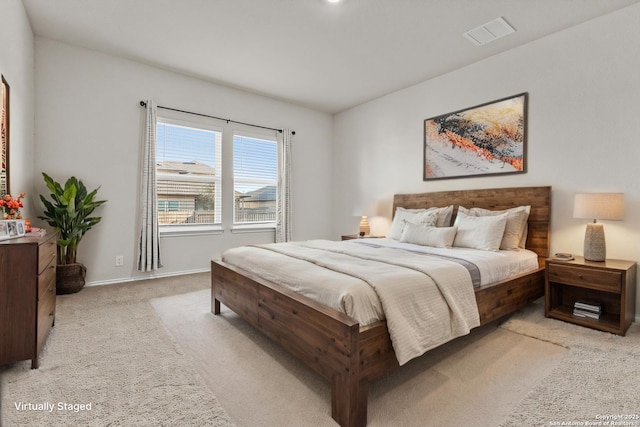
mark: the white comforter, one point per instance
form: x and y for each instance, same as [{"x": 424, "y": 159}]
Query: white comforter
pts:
[{"x": 427, "y": 301}]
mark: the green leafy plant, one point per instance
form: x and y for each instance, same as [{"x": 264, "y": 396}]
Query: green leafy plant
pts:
[{"x": 69, "y": 212}]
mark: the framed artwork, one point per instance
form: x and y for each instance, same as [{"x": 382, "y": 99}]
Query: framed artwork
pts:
[
  {"x": 12, "y": 228},
  {"x": 488, "y": 139},
  {"x": 4, "y": 230},
  {"x": 4, "y": 136}
]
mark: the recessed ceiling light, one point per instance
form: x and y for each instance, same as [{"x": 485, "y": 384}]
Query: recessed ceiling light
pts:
[{"x": 334, "y": 1}]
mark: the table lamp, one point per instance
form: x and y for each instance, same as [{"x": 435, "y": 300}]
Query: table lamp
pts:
[
  {"x": 365, "y": 229},
  {"x": 608, "y": 206}
]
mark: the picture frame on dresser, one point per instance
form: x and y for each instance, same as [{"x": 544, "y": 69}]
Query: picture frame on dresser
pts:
[{"x": 12, "y": 228}]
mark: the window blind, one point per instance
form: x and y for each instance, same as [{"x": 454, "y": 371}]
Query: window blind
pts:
[
  {"x": 188, "y": 165},
  {"x": 255, "y": 170}
]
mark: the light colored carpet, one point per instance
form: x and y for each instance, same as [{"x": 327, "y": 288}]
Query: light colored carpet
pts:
[
  {"x": 599, "y": 377},
  {"x": 475, "y": 380},
  {"x": 109, "y": 349}
]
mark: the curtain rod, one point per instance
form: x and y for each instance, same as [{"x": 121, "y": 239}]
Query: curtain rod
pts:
[{"x": 144, "y": 104}]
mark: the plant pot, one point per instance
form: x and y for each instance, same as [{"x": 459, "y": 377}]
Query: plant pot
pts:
[{"x": 70, "y": 278}]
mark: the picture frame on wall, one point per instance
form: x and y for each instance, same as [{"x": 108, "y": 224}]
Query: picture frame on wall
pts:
[
  {"x": 4, "y": 135},
  {"x": 484, "y": 140}
]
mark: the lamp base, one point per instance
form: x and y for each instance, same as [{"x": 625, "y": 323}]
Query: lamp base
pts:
[{"x": 595, "y": 248}]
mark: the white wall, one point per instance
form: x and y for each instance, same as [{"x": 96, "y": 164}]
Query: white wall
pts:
[
  {"x": 16, "y": 65},
  {"x": 583, "y": 134},
  {"x": 89, "y": 124}
]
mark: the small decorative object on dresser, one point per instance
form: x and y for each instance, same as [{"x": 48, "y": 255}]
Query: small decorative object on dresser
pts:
[
  {"x": 27, "y": 296},
  {"x": 11, "y": 224},
  {"x": 10, "y": 229},
  {"x": 11, "y": 206},
  {"x": 597, "y": 294},
  {"x": 69, "y": 211}
]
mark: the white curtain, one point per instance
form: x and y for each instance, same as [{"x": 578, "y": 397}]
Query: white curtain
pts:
[
  {"x": 283, "y": 201},
  {"x": 149, "y": 247}
]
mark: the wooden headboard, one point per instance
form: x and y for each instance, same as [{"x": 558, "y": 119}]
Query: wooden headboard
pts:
[{"x": 495, "y": 199}]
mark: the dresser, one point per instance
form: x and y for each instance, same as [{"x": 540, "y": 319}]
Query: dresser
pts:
[{"x": 27, "y": 296}]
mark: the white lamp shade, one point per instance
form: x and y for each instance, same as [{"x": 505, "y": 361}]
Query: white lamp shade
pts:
[{"x": 599, "y": 206}]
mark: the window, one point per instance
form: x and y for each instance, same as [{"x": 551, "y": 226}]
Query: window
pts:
[
  {"x": 193, "y": 196},
  {"x": 255, "y": 174},
  {"x": 188, "y": 167}
]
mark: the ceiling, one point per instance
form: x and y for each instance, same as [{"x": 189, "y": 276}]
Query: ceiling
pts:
[{"x": 324, "y": 56}]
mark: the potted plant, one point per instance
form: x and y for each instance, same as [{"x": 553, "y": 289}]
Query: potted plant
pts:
[{"x": 69, "y": 212}]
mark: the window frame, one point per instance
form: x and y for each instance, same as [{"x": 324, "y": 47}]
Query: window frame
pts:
[
  {"x": 252, "y": 226},
  {"x": 170, "y": 118}
]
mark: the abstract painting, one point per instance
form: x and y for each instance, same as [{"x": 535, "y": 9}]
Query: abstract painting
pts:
[
  {"x": 4, "y": 136},
  {"x": 488, "y": 139}
]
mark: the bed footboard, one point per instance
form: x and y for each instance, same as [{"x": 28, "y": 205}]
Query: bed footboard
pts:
[
  {"x": 324, "y": 339},
  {"x": 502, "y": 298}
]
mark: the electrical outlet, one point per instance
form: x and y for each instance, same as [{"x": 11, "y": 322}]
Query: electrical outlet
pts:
[{"x": 119, "y": 261}]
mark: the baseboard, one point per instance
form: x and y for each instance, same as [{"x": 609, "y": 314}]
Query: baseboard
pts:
[{"x": 150, "y": 276}]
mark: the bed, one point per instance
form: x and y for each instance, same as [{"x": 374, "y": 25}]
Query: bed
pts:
[{"x": 350, "y": 355}]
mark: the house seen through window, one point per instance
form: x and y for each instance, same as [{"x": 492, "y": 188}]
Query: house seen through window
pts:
[
  {"x": 188, "y": 168},
  {"x": 254, "y": 180},
  {"x": 190, "y": 188}
]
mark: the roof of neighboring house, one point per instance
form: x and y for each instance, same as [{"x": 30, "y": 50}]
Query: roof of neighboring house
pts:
[
  {"x": 185, "y": 168},
  {"x": 261, "y": 194}
]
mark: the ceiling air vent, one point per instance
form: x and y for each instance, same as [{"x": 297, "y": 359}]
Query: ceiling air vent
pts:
[{"x": 489, "y": 32}]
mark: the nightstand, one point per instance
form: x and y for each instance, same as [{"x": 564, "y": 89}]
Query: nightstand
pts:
[
  {"x": 355, "y": 236},
  {"x": 350, "y": 236},
  {"x": 611, "y": 283}
]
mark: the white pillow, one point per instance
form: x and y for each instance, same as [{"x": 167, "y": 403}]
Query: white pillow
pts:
[
  {"x": 444, "y": 214},
  {"x": 515, "y": 235},
  {"x": 404, "y": 215},
  {"x": 479, "y": 232},
  {"x": 438, "y": 237}
]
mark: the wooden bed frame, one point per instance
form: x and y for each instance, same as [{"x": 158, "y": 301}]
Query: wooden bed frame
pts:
[{"x": 334, "y": 344}]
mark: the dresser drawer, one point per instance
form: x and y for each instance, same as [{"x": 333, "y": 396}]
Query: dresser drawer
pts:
[
  {"x": 604, "y": 280},
  {"x": 45, "y": 279},
  {"x": 47, "y": 253},
  {"x": 46, "y": 314}
]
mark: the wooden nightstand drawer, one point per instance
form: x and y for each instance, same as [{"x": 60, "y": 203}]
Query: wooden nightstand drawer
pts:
[{"x": 603, "y": 280}]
